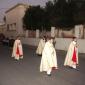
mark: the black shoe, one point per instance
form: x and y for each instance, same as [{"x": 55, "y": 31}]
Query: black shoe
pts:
[
  {"x": 71, "y": 67},
  {"x": 49, "y": 74}
]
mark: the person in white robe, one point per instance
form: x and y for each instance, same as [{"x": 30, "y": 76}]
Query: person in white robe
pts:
[
  {"x": 41, "y": 45},
  {"x": 17, "y": 52},
  {"x": 71, "y": 59},
  {"x": 49, "y": 58}
]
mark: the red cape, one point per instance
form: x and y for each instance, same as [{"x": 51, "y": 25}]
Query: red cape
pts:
[{"x": 74, "y": 59}]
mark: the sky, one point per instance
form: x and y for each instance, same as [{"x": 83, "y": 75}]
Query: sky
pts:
[{"x": 6, "y": 4}]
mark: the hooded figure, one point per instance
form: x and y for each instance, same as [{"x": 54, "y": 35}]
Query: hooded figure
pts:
[
  {"x": 72, "y": 55},
  {"x": 41, "y": 46},
  {"x": 17, "y": 49},
  {"x": 49, "y": 58}
]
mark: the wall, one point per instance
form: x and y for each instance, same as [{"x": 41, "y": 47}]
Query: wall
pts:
[
  {"x": 61, "y": 43},
  {"x": 2, "y": 28},
  {"x": 30, "y": 41}
]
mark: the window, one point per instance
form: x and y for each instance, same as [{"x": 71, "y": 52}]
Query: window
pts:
[{"x": 11, "y": 27}]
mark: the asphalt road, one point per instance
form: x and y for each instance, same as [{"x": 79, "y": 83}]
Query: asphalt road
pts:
[{"x": 26, "y": 70}]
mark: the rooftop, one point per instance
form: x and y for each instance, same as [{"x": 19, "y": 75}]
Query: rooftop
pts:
[{"x": 19, "y": 4}]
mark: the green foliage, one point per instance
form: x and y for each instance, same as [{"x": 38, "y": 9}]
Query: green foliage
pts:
[
  {"x": 56, "y": 13},
  {"x": 35, "y": 18}
]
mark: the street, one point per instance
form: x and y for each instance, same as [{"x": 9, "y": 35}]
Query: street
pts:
[{"x": 26, "y": 70}]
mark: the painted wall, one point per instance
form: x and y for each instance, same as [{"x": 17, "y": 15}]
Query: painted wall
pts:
[{"x": 61, "y": 43}]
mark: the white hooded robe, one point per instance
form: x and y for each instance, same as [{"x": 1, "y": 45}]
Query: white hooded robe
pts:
[
  {"x": 17, "y": 50},
  {"x": 72, "y": 55},
  {"x": 49, "y": 58},
  {"x": 40, "y": 46}
]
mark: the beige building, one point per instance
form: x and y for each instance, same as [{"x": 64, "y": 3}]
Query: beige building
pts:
[
  {"x": 14, "y": 18},
  {"x": 2, "y": 28}
]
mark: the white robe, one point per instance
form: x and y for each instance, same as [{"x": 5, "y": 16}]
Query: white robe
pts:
[
  {"x": 48, "y": 59},
  {"x": 40, "y": 47},
  {"x": 69, "y": 56},
  {"x": 17, "y": 50}
]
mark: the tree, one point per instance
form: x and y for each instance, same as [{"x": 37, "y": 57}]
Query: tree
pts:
[
  {"x": 56, "y": 13},
  {"x": 49, "y": 11},
  {"x": 34, "y": 18},
  {"x": 63, "y": 14},
  {"x": 79, "y": 15}
]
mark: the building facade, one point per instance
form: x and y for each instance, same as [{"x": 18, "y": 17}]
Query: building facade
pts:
[
  {"x": 14, "y": 16},
  {"x": 2, "y": 28}
]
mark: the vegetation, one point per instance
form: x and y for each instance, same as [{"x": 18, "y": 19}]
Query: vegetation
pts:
[{"x": 55, "y": 13}]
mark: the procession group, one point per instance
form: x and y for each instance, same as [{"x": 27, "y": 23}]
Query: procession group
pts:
[{"x": 46, "y": 49}]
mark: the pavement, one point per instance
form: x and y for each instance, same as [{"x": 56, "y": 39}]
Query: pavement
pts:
[{"x": 26, "y": 70}]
